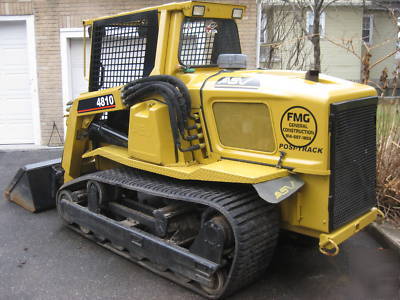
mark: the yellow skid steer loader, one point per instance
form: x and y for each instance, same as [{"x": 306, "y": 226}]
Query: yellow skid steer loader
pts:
[{"x": 185, "y": 162}]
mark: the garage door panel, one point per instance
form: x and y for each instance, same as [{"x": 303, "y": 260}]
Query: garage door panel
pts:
[
  {"x": 17, "y": 95},
  {"x": 8, "y": 42},
  {"x": 16, "y": 131},
  {"x": 13, "y": 34},
  {"x": 16, "y": 113},
  {"x": 15, "y": 83},
  {"x": 18, "y": 109},
  {"x": 14, "y": 57}
]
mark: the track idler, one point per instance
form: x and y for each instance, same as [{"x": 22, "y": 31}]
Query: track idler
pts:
[{"x": 214, "y": 238}]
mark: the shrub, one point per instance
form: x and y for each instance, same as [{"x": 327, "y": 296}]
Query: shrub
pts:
[{"x": 388, "y": 158}]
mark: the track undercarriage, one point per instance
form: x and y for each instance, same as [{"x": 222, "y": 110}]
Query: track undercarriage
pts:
[{"x": 210, "y": 237}]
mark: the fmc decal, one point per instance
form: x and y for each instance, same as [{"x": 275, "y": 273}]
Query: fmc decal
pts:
[
  {"x": 298, "y": 126},
  {"x": 238, "y": 82}
]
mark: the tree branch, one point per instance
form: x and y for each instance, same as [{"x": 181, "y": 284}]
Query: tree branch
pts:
[{"x": 383, "y": 58}]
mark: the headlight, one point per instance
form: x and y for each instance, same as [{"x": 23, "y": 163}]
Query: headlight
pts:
[
  {"x": 198, "y": 10},
  {"x": 237, "y": 13}
]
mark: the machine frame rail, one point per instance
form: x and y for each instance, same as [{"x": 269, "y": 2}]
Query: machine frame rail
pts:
[{"x": 254, "y": 222}]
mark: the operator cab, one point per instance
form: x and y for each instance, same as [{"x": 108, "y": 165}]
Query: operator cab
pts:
[{"x": 130, "y": 46}]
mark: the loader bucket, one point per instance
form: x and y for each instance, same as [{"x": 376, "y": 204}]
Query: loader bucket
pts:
[{"x": 35, "y": 185}]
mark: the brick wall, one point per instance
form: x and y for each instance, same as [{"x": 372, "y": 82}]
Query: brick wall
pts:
[{"x": 51, "y": 15}]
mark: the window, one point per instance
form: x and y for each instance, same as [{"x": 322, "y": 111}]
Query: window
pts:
[
  {"x": 244, "y": 125},
  {"x": 310, "y": 23},
  {"x": 270, "y": 37},
  {"x": 367, "y": 28},
  {"x": 263, "y": 28},
  {"x": 203, "y": 39}
]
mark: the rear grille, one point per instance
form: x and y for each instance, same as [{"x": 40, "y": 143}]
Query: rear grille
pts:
[{"x": 353, "y": 160}]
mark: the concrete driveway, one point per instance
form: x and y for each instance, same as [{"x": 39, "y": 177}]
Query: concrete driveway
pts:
[{"x": 41, "y": 259}]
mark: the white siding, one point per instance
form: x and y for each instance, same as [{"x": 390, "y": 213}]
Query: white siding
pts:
[
  {"x": 343, "y": 24},
  {"x": 383, "y": 42}
]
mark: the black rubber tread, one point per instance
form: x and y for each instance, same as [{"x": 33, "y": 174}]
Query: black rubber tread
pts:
[{"x": 254, "y": 222}]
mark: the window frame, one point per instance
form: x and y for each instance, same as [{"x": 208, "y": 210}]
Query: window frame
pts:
[
  {"x": 397, "y": 55},
  {"x": 370, "y": 29},
  {"x": 322, "y": 18},
  {"x": 181, "y": 41}
]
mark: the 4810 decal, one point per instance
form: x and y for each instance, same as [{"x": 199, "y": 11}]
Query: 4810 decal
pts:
[{"x": 96, "y": 103}]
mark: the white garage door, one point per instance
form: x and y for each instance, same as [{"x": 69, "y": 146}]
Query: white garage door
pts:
[{"x": 16, "y": 112}]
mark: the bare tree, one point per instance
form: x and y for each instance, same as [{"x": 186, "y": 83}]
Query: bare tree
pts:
[
  {"x": 282, "y": 40},
  {"x": 317, "y": 7},
  {"x": 287, "y": 33}
]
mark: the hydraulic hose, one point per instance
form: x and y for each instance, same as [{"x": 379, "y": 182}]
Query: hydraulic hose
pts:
[
  {"x": 142, "y": 89},
  {"x": 167, "y": 94},
  {"x": 177, "y": 98},
  {"x": 169, "y": 79}
]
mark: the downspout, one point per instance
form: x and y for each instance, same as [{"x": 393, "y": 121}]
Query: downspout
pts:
[{"x": 258, "y": 8}]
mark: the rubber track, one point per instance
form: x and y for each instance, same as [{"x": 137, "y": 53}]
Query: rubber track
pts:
[{"x": 254, "y": 222}]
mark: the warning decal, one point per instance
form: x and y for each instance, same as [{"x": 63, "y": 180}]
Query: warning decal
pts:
[{"x": 298, "y": 126}]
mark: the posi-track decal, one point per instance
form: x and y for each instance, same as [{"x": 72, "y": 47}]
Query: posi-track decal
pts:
[
  {"x": 96, "y": 103},
  {"x": 238, "y": 82},
  {"x": 299, "y": 129}
]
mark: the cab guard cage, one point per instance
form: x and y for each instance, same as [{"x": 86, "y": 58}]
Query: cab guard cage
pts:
[{"x": 123, "y": 49}]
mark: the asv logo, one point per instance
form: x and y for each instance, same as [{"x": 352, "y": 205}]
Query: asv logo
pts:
[
  {"x": 234, "y": 80},
  {"x": 105, "y": 101},
  {"x": 240, "y": 82},
  {"x": 284, "y": 190}
]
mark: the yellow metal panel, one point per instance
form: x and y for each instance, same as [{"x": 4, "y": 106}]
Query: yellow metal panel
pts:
[
  {"x": 74, "y": 146},
  {"x": 162, "y": 44},
  {"x": 311, "y": 98},
  {"x": 241, "y": 172},
  {"x": 150, "y": 136},
  {"x": 223, "y": 171},
  {"x": 213, "y": 10},
  {"x": 115, "y": 91},
  {"x": 76, "y": 143},
  {"x": 171, "y": 61},
  {"x": 308, "y": 208}
]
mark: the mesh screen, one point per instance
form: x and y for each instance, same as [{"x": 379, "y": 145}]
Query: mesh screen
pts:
[
  {"x": 353, "y": 160},
  {"x": 203, "y": 39},
  {"x": 123, "y": 49}
]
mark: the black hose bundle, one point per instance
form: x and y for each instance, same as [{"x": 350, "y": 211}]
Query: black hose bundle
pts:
[{"x": 176, "y": 96}]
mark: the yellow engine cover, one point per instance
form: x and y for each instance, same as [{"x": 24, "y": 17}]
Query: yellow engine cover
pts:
[{"x": 150, "y": 135}]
